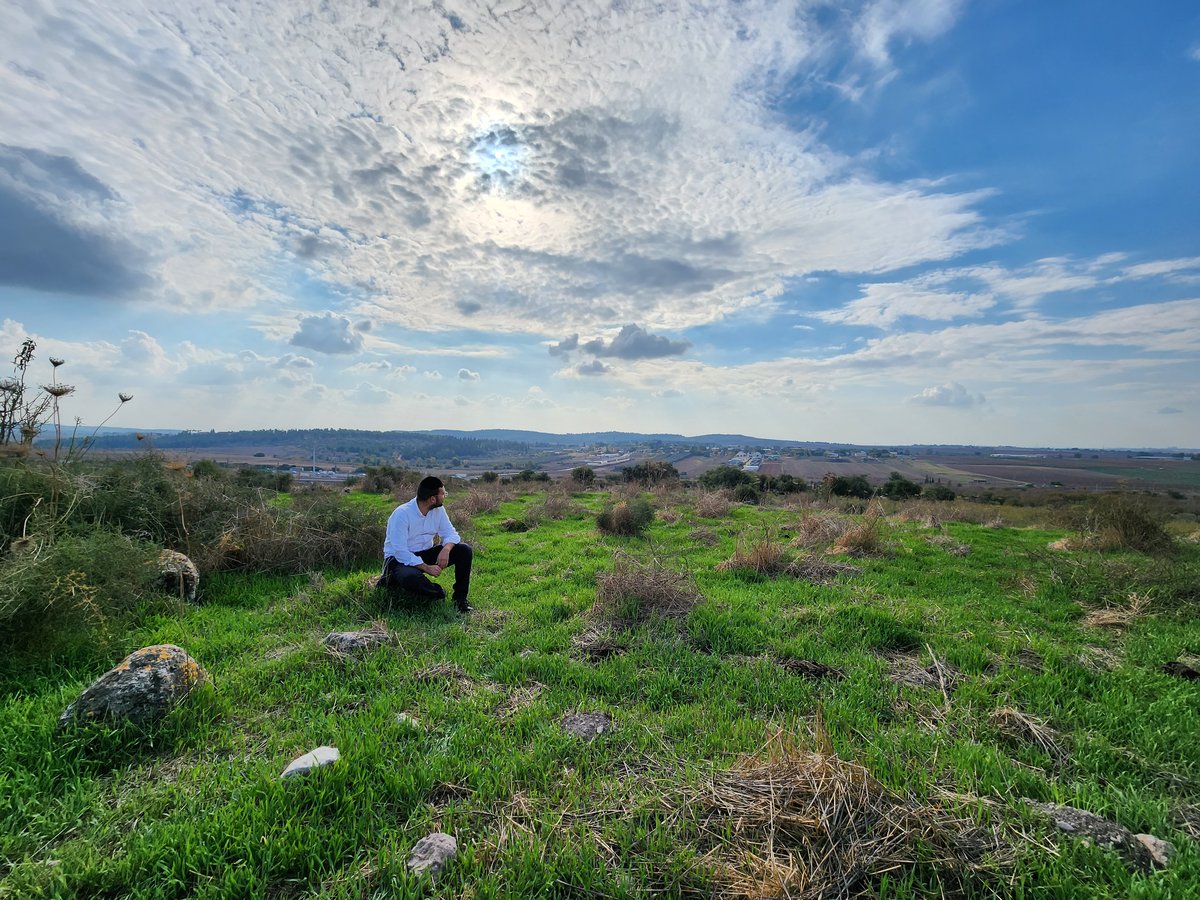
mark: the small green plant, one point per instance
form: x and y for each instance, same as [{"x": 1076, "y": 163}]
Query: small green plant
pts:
[{"x": 628, "y": 518}]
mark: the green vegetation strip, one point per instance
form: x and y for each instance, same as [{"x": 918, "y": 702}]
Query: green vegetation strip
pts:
[{"x": 196, "y": 808}]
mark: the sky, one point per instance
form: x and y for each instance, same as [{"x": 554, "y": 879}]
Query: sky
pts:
[{"x": 889, "y": 221}]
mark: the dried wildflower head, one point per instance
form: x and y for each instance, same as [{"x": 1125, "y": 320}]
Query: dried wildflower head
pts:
[
  {"x": 9, "y": 385},
  {"x": 58, "y": 390},
  {"x": 56, "y": 361},
  {"x": 123, "y": 397}
]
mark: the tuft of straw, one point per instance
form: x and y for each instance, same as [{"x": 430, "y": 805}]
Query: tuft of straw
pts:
[
  {"x": 635, "y": 591},
  {"x": 1021, "y": 727},
  {"x": 1118, "y": 617},
  {"x": 807, "y": 824}
]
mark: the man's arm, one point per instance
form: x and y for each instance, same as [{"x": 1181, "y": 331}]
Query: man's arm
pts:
[{"x": 452, "y": 537}]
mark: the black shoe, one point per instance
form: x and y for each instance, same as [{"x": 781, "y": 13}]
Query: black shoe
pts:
[{"x": 464, "y": 607}]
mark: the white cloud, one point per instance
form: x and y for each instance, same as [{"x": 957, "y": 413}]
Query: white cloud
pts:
[
  {"x": 328, "y": 333},
  {"x": 433, "y": 375},
  {"x": 950, "y": 394},
  {"x": 467, "y": 375},
  {"x": 360, "y": 153},
  {"x": 883, "y": 304}
]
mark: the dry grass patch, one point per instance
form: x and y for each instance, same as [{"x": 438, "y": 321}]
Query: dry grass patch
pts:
[
  {"x": 904, "y": 668},
  {"x": 597, "y": 643},
  {"x": 810, "y": 668},
  {"x": 713, "y": 504},
  {"x": 818, "y": 570},
  {"x": 820, "y": 529},
  {"x": 803, "y": 824},
  {"x": 762, "y": 555},
  {"x": 864, "y": 538},
  {"x": 1023, "y": 728},
  {"x": 638, "y": 590},
  {"x": 452, "y": 674},
  {"x": 922, "y": 514},
  {"x": 474, "y": 502},
  {"x": 1120, "y": 616},
  {"x": 705, "y": 537}
]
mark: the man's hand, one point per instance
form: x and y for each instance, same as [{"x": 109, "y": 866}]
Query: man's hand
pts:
[
  {"x": 443, "y": 558},
  {"x": 433, "y": 570}
]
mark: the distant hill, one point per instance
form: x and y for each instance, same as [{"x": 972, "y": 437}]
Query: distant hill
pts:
[{"x": 545, "y": 438}]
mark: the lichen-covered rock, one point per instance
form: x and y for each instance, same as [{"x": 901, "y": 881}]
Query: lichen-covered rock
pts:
[
  {"x": 178, "y": 575},
  {"x": 588, "y": 726},
  {"x": 141, "y": 689},
  {"x": 1142, "y": 851}
]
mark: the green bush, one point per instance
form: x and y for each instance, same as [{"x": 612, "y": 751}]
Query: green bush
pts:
[
  {"x": 897, "y": 487},
  {"x": 74, "y": 593},
  {"x": 937, "y": 492},
  {"x": 725, "y": 477},
  {"x": 745, "y": 493},
  {"x": 629, "y": 518},
  {"x": 650, "y": 472},
  {"x": 583, "y": 475}
]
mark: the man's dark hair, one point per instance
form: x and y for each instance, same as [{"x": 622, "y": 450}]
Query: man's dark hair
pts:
[{"x": 428, "y": 487}]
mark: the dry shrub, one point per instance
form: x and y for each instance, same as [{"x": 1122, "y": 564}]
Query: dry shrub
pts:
[
  {"x": 475, "y": 501},
  {"x": 557, "y": 505},
  {"x": 1120, "y": 616},
  {"x": 705, "y": 537},
  {"x": 764, "y": 556},
  {"x": 514, "y": 525},
  {"x": 317, "y": 531},
  {"x": 1023, "y": 728},
  {"x": 864, "y": 538},
  {"x": 636, "y": 590},
  {"x": 713, "y": 504},
  {"x": 803, "y": 824},
  {"x": 670, "y": 515},
  {"x": 820, "y": 529},
  {"x": 924, "y": 514},
  {"x": 1121, "y": 521},
  {"x": 628, "y": 518}
]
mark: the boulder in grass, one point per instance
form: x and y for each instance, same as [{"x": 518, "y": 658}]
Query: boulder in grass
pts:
[
  {"x": 432, "y": 853},
  {"x": 142, "y": 689},
  {"x": 178, "y": 575},
  {"x": 1141, "y": 851}
]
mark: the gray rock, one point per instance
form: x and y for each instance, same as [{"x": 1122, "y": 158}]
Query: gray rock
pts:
[
  {"x": 1160, "y": 851},
  {"x": 588, "y": 726},
  {"x": 1141, "y": 851},
  {"x": 178, "y": 575},
  {"x": 356, "y": 641},
  {"x": 142, "y": 688},
  {"x": 432, "y": 853},
  {"x": 302, "y": 765}
]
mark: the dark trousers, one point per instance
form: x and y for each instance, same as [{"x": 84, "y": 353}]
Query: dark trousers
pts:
[{"x": 413, "y": 580}]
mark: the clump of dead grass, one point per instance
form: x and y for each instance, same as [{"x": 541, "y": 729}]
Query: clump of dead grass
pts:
[
  {"x": 713, "y": 504},
  {"x": 1022, "y": 728},
  {"x": 820, "y": 529},
  {"x": 806, "y": 824},
  {"x": 863, "y": 538},
  {"x": 476, "y": 501},
  {"x": 705, "y": 537},
  {"x": 638, "y": 590},
  {"x": 1120, "y": 616},
  {"x": 818, "y": 570},
  {"x": 923, "y": 514},
  {"x": 763, "y": 555}
]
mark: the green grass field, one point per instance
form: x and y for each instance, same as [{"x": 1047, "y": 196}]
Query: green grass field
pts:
[{"x": 196, "y": 808}]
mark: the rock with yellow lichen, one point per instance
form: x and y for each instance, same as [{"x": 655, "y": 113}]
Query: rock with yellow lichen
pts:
[{"x": 141, "y": 689}]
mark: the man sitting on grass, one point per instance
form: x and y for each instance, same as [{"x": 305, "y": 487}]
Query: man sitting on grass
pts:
[{"x": 421, "y": 541}]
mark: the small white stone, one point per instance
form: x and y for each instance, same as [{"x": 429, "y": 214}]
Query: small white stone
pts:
[
  {"x": 301, "y": 765},
  {"x": 432, "y": 852},
  {"x": 408, "y": 721}
]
